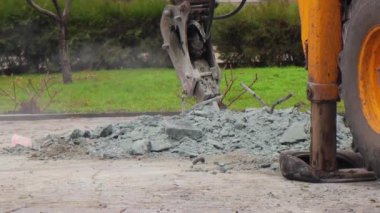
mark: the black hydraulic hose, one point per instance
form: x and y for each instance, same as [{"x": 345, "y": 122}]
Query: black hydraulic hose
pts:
[
  {"x": 242, "y": 3},
  {"x": 210, "y": 18}
]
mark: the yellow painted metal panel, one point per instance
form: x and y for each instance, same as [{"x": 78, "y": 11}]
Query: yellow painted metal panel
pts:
[{"x": 303, "y": 6}]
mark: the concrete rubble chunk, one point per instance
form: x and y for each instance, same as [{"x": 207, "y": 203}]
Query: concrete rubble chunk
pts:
[
  {"x": 77, "y": 133},
  {"x": 187, "y": 147},
  {"x": 227, "y": 133},
  {"x": 159, "y": 146},
  {"x": 201, "y": 113},
  {"x": 140, "y": 147},
  {"x": 179, "y": 129},
  {"x": 87, "y": 134},
  {"x": 107, "y": 131},
  {"x": 294, "y": 134}
]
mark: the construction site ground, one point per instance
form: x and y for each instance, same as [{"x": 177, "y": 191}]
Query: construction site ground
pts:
[{"x": 157, "y": 184}]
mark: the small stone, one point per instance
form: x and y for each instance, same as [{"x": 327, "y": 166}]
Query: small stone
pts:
[
  {"x": 216, "y": 144},
  {"x": 186, "y": 153},
  {"x": 235, "y": 146},
  {"x": 106, "y": 131},
  {"x": 222, "y": 169},
  {"x": 250, "y": 110},
  {"x": 240, "y": 126},
  {"x": 219, "y": 163},
  {"x": 286, "y": 112},
  {"x": 78, "y": 141},
  {"x": 266, "y": 165},
  {"x": 275, "y": 166},
  {"x": 226, "y": 133},
  {"x": 199, "y": 159}
]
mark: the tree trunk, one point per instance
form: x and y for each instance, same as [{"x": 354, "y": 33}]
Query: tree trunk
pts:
[{"x": 64, "y": 57}]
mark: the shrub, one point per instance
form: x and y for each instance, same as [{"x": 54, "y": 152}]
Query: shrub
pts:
[{"x": 23, "y": 45}]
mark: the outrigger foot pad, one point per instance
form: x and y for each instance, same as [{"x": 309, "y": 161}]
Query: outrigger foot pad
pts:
[{"x": 296, "y": 166}]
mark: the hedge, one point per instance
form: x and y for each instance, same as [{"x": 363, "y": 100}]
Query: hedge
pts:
[
  {"x": 104, "y": 34},
  {"x": 110, "y": 34},
  {"x": 266, "y": 34}
]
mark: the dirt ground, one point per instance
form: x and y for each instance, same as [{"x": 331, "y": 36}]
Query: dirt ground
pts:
[{"x": 162, "y": 184}]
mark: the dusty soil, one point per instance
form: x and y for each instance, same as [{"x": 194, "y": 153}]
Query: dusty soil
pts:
[{"x": 160, "y": 184}]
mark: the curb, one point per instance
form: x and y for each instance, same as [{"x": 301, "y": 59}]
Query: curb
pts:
[{"x": 36, "y": 117}]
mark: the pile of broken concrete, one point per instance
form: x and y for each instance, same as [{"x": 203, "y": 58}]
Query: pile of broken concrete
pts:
[{"x": 201, "y": 132}]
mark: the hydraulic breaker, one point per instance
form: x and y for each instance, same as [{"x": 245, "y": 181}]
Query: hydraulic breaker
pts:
[{"x": 186, "y": 30}]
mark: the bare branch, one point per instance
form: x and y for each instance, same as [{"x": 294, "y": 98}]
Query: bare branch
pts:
[
  {"x": 11, "y": 94},
  {"x": 215, "y": 99},
  {"x": 51, "y": 100},
  {"x": 67, "y": 9},
  {"x": 15, "y": 101},
  {"x": 46, "y": 83},
  {"x": 183, "y": 100},
  {"x": 35, "y": 94},
  {"x": 57, "y": 8},
  {"x": 278, "y": 102},
  {"x": 229, "y": 83},
  {"x": 30, "y": 85},
  {"x": 25, "y": 89},
  {"x": 254, "y": 95},
  {"x": 14, "y": 92},
  {"x": 43, "y": 11},
  {"x": 7, "y": 94},
  {"x": 225, "y": 79},
  {"x": 228, "y": 89},
  {"x": 243, "y": 92}
]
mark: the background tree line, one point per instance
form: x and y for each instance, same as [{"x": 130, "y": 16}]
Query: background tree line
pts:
[{"x": 114, "y": 34}]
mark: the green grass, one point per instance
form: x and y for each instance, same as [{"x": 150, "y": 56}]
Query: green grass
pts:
[
  {"x": 272, "y": 84},
  {"x": 145, "y": 90}
]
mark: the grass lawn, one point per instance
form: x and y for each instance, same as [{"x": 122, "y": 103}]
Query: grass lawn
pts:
[{"x": 142, "y": 90}]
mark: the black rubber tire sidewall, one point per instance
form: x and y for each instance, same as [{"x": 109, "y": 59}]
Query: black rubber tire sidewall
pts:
[{"x": 363, "y": 16}]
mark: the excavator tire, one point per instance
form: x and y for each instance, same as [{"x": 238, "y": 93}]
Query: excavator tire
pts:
[{"x": 360, "y": 66}]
